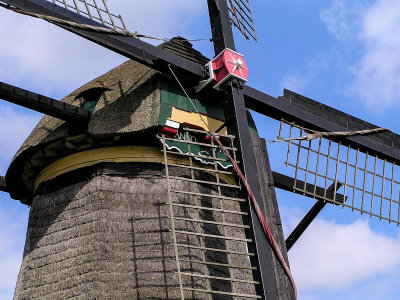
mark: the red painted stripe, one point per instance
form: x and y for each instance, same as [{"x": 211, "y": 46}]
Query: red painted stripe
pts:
[{"x": 168, "y": 131}]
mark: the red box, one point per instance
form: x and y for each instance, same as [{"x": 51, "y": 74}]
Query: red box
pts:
[{"x": 229, "y": 64}]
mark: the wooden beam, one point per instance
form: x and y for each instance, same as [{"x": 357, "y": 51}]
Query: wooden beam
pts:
[
  {"x": 287, "y": 183},
  {"x": 385, "y": 144},
  {"x": 270, "y": 209},
  {"x": 43, "y": 104},
  {"x": 223, "y": 38},
  {"x": 308, "y": 218},
  {"x": 133, "y": 48},
  {"x": 321, "y": 117},
  {"x": 3, "y": 185},
  {"x": 221, "y": 27}
]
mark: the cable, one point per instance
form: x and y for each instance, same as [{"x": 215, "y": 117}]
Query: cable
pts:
[
  {"x": 257, "y": 209},
  {"x": 58, "y": 21},
  {"x": 255, "y": 66},
  {"x": 313, "y": 134}
]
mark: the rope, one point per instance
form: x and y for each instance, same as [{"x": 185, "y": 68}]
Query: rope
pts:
[
  {"x": 267, "y": 231},
  {"x": 255, "y": 66},
  {"x": 257, "y": 209},
  {"x": 313, "y": 134},
  {"x": 120, "y": 32}
]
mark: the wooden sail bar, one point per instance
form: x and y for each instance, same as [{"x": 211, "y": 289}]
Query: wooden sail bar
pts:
[
  {"x": 308, "y": 218},
  {"x": 208, "y": 228},
  {"x": 130, "y": 47},
  {"x": 287, "y": 183},
  {"x": 258, "y": 101},
  {"x": 3, "y": 185},
  {"x": 95, "y": 12},
  {"x": 43, "y": 104},
  {"x": 306, "y": 112},
  {"x": 370, "y": 184},
  {"x": 241, "y": 17}
]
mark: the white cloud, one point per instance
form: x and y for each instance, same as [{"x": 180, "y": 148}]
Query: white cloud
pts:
[
  {"x": 332, "y": 257},
  {"x": 336, "y": 20},
  {"x": 41, "y": 57},
  {"x": 378, "y": 71},
  {"x": 46, "y": 58},
  {"x": 50, "y": 60},
  {"x": 295, "y": 81},
  {"x": 162, "y": 18},
  {"x": 373, "y": 30},
  {"x": 298, "y": 81},
  {"x": 341, "y": 19}
]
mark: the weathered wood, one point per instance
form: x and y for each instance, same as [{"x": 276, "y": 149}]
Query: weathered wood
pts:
[
  {"x": 338, "y": 117},
  {"x": 271, "y": 213},
  {"x": 308, "y": 218},
  {"x": 3, "y": 185},
  {"x": 287, "y": 183},
  {"x": 312, "y": 115},
  {"x": 43, "y": 104},
  {"x": 223, "y": 38},
  {"x": 130, "y": 47}
]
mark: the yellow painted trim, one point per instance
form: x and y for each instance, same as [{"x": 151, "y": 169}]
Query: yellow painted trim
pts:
[
  {"x": 113, "y": 154},
  {"x": 182, "y": 116}
]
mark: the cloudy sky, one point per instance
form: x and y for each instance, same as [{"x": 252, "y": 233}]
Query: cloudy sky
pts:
[{"x": 343, "y": 53}]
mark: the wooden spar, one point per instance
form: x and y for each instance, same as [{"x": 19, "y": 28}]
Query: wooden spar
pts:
[
  {"x": 3, "y": 185},
  {"x": 43, "y": 104}
]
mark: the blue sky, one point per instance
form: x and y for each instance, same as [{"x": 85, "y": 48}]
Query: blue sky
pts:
[{"x": 345, "y": 54}]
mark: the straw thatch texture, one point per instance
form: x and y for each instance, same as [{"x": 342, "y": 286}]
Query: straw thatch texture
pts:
[
  {"x": 129, "y": 106},
  {"x": 106, "y": 238},
  {"x": 107, "y": 235},
  {"x": 109, "y": 238},
  {"x": 132, "y": 104}
]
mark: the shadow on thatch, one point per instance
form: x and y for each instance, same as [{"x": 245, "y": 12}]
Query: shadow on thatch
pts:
[
  {"x": 43, "y": 215},
  {"x": 115, "y": 231},
  {"x": 164, "y": 282},
  {"x": 122, "y": 108},
  {"x": 212, "y": 256}
]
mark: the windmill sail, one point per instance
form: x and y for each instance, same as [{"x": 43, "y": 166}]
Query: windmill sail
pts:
[
  {"x": 242, "y": 18},
  {"x": 370, "y": 184},
  {"x": 95, "y": 10}
]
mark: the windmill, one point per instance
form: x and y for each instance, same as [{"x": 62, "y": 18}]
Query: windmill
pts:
[{"x": 294, "y": 111}]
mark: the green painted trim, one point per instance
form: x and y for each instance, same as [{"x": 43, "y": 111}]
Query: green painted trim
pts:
[
  {"x": 182, "y": 147},
  {"x": 172, "y": 95},
  {"x": 90, "y": 105},
  {"x": 165, "y": 113}
]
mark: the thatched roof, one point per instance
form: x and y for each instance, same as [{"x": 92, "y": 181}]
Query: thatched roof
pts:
[
  {"x": 130, "y": 104},
  {"x": 122, "y": 109}
]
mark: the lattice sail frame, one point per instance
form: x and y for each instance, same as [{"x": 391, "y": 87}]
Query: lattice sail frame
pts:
[
  {"x": 370, "y": 185},
  {"x": 242, "y": 18},
  {"x": 94, "y": 11},
  {"x": 212, "y": 248}
]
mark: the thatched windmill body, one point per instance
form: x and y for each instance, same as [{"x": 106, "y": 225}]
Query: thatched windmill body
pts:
[
  {"x": 132, "y": 178},
  {"x": 100, "y": 214},
  {"x": 99, "y": 224}
]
